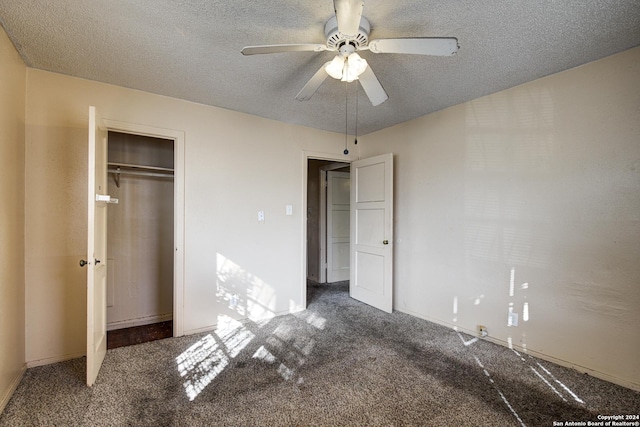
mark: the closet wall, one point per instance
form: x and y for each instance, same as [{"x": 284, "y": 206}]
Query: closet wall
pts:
[
  {"x": 140, "y": 231},
  {"x": 313, "y": 219}
]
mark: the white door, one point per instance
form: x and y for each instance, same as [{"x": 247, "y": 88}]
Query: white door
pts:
[
  {"x": 96, "y": 248},
  {"x": 371, "y": 278},
  {"x": 338, "y": 194}
]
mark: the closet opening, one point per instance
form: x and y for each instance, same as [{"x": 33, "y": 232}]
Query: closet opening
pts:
[
  {"x": 140, "y": 239},
  {"x": 328, "y": 229}
]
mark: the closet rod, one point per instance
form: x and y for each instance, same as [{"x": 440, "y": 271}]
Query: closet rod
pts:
[
  {"x": 144, "y": 167},
  {"x": 117, "y": 172},
  {"x": 141, "y": 173}
]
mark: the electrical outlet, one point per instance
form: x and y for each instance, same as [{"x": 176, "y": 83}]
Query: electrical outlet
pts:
[{"x": 482, "y": 330}]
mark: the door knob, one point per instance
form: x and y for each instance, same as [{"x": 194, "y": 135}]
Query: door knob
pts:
[
  {"x": 83, "y": 263},
  {"x": 385, "y": 242}
]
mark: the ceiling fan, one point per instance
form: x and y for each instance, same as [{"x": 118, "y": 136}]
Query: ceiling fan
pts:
[{"x": 347, "y": 33}]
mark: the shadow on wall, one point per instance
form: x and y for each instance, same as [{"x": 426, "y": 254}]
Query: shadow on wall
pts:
[
  {"x": 546, "y": 211},
  {"x": 513, "y": 318},
  {"x": 243, "y": 292},
  {"x": 509, "y": 164},
  {"x": 511, "y": 202}
]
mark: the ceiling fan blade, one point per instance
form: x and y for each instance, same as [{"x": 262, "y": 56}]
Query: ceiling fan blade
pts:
[
  {"x": 313, "y": 84},
  {"x": 442, "y": 46},
  {"x": 372, "y": 87},
  {"x": 278, "y": 48},
  {"x": 348, "y": 14}
]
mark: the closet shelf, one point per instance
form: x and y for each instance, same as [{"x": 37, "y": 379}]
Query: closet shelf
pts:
[{"x": 118, "y": 169}]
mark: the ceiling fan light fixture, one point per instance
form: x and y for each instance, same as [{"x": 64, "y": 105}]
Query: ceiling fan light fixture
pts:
[
  {"x": 335, "y": 67},
  {"x": 348, "y": 75},
  {"x": 353, "y": 67},
  {"x": 357, "y": 64}
]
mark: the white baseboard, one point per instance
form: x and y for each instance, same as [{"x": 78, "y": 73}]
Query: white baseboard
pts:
[
  {"x": 582, "y": 369},
  {"x": 245, "y": 320},
  {"x": 148, "y": 320},
  {"x": 54, "y": 359},
  {"x": 116, "y": 325},
  {"x": 12, "y": 388}
]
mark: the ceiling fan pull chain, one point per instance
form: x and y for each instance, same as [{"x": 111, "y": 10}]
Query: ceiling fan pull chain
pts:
[
  {"x": 356, "y": 139},
  {"x": 346, "y": 122}
]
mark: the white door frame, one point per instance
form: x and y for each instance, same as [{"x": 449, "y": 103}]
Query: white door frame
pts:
[
  {"x": 178, "y": 207},
  {"x": 306, "y": 156}
]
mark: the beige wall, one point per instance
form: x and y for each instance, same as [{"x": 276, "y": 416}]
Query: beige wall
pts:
[
  {"x": 12, "y": 330},
  {"x": 235, "y": 165},
  {"x": 528, "y": 197}
]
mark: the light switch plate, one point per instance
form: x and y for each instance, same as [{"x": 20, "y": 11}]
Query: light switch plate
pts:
[
  {"x": 260, "y": 216},
  {"x": 289, "y": 209}
]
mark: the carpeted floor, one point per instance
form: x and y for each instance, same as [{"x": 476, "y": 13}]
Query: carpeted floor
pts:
[{"x": 339, "y": 363}]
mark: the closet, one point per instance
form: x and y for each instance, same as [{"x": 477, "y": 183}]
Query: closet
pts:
[{"x": 140, "y": 231}]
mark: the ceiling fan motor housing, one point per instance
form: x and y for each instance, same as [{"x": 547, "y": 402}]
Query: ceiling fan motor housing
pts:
[{"x": 336, "y": 40}]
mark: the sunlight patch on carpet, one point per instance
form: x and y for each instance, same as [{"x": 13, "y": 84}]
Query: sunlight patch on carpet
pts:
[
  {"x": 290, "y": 345},
  {"x": 200, "y": 364},
  {"x": 551, "y": 376},
  {"x": 207, "y": 358},
  {"x": 502, "y": 396}
]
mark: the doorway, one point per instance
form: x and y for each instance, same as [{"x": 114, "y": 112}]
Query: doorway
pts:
[
  {"x": 140, "y": 239},
  {"x": 327, "y": 221},
  {"x": 371, "y": 229}
]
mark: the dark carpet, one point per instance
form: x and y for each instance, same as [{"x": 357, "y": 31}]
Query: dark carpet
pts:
[
  {"x": 339, "y": 363},
  {"x": 139, "y": 334}
]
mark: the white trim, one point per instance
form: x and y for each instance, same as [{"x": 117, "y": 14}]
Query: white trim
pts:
[
  {"x": 244, "y": 321},
  {"x": 179, "y": 206},
  {"x": 12, "y": 388},
  {"x": 55, "y": 359},
  {"x": 306, "y": 156},
  {"x": 582, "y": 369}
]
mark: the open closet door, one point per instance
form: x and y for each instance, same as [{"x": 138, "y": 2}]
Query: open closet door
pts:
[
  {"x": 96, "y": 248},
  {"x": 371, "y": 279}
]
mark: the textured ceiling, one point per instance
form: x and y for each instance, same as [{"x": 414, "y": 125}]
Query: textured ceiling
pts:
[{"x": 190, "y": 49}]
